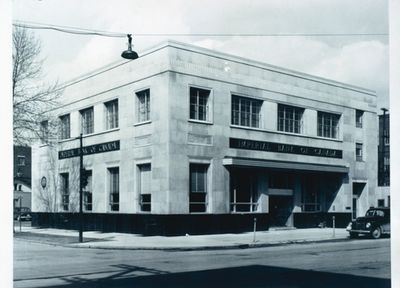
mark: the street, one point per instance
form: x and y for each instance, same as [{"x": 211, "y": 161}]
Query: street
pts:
[{"x": 353, "y": 263}]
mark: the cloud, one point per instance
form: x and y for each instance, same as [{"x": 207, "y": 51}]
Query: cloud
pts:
[{"x": 361, "y": 61}]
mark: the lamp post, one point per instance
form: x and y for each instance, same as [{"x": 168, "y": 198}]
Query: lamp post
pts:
[{"x": 80, "y": 190}]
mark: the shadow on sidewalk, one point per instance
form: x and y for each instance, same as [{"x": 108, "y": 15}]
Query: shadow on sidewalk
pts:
[
  {"x": 245, "y": 276},
  {"x": 52, "y": 239}
]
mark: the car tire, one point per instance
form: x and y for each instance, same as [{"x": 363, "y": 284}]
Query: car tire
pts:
[
  {"x": 376, "y": 233},
  {"x": 353, "y": 235}
]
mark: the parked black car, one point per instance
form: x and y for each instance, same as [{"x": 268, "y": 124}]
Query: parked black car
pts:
[
  {"x": 23, "y": 214},
  {"x": 375, "y": 223}
]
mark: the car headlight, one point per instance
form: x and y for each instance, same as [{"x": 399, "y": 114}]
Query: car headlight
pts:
[{"x": 368, "y": 225}]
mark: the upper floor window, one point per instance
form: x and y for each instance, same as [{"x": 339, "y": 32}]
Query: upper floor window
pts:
[
  {"x": 359, "y": 152},
  {"x": 20, "y": 160},
  {"x": 328, "y": 125},
  {"x": 290, "y": 118},
  {"x": 87, "y": 121},
  {"x": 246, "y": 111},
  {"x": 44, "y": 131},
  {"x": 143, "y": 105},
  {"x": 199, "y": 104},
  {"x": 359, "y": 118},
  {"x": 111, "y": 114},
  {"x": 65, "y": 127}
]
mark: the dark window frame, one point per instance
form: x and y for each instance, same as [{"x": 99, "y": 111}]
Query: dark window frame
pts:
[
  {"x": 328, "y": 125},
  {"x": 143, "y": 106},
  {"x": 87, "y": 120},
  {"x": 113, "y": 188},
  {"x": 290, "y": 119},
  {"x": 65, "y": 126},
  {"x": 198, "y": 187},
  {"x": 65, "y": 190},
  {"x": 199, "y": 104},
  {"x": 246, "y": 111},
  {"x": 112, "y": 114}
]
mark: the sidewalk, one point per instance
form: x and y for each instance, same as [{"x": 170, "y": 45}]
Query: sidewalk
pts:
[{"x": 95, "y": 239}]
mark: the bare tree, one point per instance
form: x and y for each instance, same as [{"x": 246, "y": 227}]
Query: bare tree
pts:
[
  {"x": 50, "y": 198},
  {"x": 31, "y": 97}
]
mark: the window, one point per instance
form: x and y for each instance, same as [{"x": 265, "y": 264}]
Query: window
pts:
[
  {"x": 310, "y": 200},
  {"x": 87, "y": 121},
  {"x": 359, "y": 118},
  {"x": 113, "y": 176},
  {"x": 64, "y": 185},
  {"x": 359, "y": 152},
  {"x": 243, "y": 193},
  {"x": 20, "y": 160},
  {"x": 65, "y": 127},
  {"x": 246, "y": 111},
  {"x": 44, "y": 131},
  {"x": 328, "y": 125},
  {"x": 381, "y": 202},
  {"x": 87, "y": 192},
  {"x": 145, "y": 187},
  {"x": 198, "y": 187},
  {"x": 199, "y": 104},
  {"x": 111, "y": 114},
  {"x": 143, "y": 105},
  {"x": 290, "y": 118}
]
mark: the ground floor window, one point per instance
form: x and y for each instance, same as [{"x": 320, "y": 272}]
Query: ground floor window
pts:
[
  {"x": 198, "y": 187},
  {"x": 145, "y": 187},
  {"x": 113, "y": 177},
  {"x": 381, "y": 202},
  {"x": 64, "y": 185},
  {"x": 310, "y": 194},
  {"x": 244, "y": 192},
  {"x": 88, "y": 192}
]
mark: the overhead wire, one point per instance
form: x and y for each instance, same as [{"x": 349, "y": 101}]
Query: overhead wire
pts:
[{"x": 84, "y": 31}]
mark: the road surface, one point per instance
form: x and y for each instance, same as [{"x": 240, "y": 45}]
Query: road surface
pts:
[{"x": 353, "y": 263}]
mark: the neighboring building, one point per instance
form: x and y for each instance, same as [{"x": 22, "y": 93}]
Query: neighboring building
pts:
[
  {"x": 383, "y": 191},
  {"x": 22, "y": 176},
  {"x": 189, "y": 140}
]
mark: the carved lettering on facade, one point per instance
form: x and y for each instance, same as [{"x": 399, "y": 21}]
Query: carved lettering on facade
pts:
[{"x": 283, "y": 148}]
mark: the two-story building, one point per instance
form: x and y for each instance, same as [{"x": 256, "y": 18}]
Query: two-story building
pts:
[{"x": 190, "y": 140}]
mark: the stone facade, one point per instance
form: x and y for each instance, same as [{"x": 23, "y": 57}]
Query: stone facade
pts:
[{"x": 182, "y": 139}]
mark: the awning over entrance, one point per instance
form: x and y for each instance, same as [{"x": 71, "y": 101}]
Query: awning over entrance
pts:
[{"x": 243, "y": 162}]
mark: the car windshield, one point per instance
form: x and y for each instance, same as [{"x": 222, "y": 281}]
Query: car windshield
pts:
[{"x": 379, "y": 213}]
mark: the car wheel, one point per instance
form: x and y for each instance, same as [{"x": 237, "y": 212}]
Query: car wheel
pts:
[
  {"x": 376, "y": 233},
  {"x": 353, "y": 235}
]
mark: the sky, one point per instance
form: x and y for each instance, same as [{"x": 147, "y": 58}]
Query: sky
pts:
[{"x": 358, "y": 60}]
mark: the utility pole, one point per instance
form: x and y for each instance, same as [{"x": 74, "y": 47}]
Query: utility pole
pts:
[
  {"x": 80, "y": 190},
  {"x": 384, "y": 172}
]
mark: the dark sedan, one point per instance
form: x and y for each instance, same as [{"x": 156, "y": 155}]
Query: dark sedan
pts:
[{"x": 375, "y": 223}]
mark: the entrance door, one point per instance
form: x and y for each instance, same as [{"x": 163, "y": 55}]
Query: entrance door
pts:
[{"x": 280, "y": 210}]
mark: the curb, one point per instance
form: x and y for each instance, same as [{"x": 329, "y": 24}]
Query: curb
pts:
[{"x": 207, "y": 248}]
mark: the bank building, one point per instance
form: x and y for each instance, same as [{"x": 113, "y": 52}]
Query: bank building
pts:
[{"x": 190, "y": 140}]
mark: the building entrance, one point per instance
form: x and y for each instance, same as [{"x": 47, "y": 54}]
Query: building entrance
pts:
[{"x": 280, "y": 210}]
